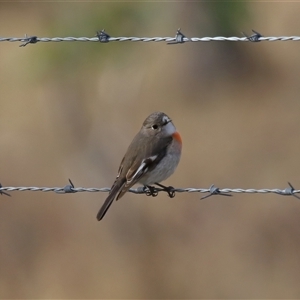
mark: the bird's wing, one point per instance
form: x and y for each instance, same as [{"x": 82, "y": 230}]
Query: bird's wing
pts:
[{"x": 146, "y": 159}]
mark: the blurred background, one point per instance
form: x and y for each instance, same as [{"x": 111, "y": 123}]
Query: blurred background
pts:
[{"x": 70, "y": 110}]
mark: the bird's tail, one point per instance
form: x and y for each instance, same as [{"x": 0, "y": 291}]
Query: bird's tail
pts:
[{"x": 115, "y": 191}]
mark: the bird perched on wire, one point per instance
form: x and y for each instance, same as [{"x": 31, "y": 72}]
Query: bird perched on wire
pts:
[{"x": 152, "y": 157}]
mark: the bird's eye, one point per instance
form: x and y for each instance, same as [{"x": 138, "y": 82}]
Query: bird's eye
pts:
[{"x": 155, "y": 126}]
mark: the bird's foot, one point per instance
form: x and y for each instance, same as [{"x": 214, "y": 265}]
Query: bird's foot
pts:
[
  {"x": 150, "y": 190},
  {"x": 169, "y": 189}
]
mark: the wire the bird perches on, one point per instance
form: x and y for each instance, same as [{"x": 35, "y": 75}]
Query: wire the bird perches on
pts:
[{"x": 212, "y": 190}]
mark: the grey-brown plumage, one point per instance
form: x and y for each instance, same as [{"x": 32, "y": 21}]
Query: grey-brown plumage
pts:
[{"x": 151, "y": 157}]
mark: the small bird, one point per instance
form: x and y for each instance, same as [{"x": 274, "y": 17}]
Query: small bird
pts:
[{"x": 152, "y": 157}]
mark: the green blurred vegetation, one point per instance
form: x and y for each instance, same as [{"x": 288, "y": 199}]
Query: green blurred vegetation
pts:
[{"x": 228, "y": 16}]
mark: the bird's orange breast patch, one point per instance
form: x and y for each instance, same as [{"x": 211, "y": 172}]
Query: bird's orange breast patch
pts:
[{"x": 177, "y": 137}]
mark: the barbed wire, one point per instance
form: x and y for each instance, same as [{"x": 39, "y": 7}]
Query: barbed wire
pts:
[
  {"x": 212, "y": 190},
  {"x": 179, "y": 38}
]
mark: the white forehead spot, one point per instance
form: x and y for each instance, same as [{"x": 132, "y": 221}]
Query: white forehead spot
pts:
[
  {"x": 169, "y": 128},
  {"x": 165, "y": 119}
]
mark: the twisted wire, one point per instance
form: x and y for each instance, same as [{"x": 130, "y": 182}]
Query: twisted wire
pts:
[
  {"x": 173, "y": 40},
  {"x": 103, "y": 37},
  {"x": 140, "y": 190}
]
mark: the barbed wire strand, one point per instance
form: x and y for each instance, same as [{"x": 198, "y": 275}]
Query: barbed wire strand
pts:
[
  {"x": 103, "y": 37},
  {"x": 179, "y": 38},
  {"x": 212, "y": 190}
]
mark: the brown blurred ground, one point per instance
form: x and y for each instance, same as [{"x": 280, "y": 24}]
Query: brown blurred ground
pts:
[{"x": 69, "y": 110}]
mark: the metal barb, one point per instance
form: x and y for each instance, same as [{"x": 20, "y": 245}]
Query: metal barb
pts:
[
  {"x": 4, "y": 193},
  {"x": 213, "y": 190},
  {"x": 29, "y": 40},
  {"x": 69, "y": 188},
  {"x": 254, "y": 37},
  {"x": 103, "y": 36},
  {"x": 179, "y": 38},
  {"x": 289, "y": 191}
]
